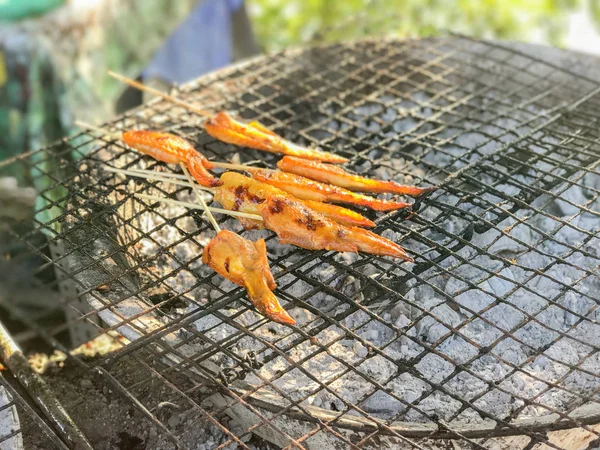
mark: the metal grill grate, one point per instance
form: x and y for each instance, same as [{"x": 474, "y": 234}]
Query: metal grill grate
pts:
[
  {"x": 18, "y": 421},
  {"x": 492, "y": 332}
]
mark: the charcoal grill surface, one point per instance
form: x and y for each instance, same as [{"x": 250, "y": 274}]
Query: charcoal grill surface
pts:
[{"x": 492, "y": 331}]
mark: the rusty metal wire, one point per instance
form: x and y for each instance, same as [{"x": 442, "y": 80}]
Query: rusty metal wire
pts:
[
  {"x": 18, "y": 418},
  {"x": 492, "y": 332}
]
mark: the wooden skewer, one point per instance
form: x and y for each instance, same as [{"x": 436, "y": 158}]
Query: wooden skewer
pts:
[
  {"x": 170, "y": 201},
  {"x": 143, "y": 87},
  {"x": 236, "y": 166},
  {"x": 81, "y": 124},
  {"x": 216, "y": 164},
  {"x": 211, "y": 218},
  {"x": 195, "y": 188},
  {"x": 171, "y": 178},
  {"x": 145, "y": 173}
]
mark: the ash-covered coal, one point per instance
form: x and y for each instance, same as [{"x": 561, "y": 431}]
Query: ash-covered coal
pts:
[{"x": 516, "y": 306}]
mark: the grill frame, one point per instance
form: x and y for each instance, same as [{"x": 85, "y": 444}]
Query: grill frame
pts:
[{"x": 403, "y": 430}]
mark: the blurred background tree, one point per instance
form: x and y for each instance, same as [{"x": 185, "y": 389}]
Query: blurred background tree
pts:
[{"x": 281, "y": 23}]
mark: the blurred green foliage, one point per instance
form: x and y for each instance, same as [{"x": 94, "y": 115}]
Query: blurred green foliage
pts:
[{"x": 281, "y": 23}]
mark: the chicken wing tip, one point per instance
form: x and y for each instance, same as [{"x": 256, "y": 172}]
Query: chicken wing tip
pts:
[
  {"x": 368, "y": 223},
  {"x": 282, "y": 317},
  {"x": 427, "y": 190}
]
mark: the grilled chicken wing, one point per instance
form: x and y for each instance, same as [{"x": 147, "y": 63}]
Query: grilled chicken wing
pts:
[
  {"x": 297, "y": 224},
  {"x": 240, "y": 193},
  {"x": 245, "y": 263},
  {"x": 328, "y": 173},
  {"x": 254, "y": 135},
  {"x": 307, "y": 189},
  {"x": 172, "y": 149}
]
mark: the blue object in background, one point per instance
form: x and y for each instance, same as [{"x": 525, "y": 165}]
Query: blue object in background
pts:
[{"x": 202, "y": 43}]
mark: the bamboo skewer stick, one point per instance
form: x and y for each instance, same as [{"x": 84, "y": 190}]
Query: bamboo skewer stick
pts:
[
  {"x": 191, "y": 184},
  {"x": 157, "y": 176},
  {"x": 179, "y": 183},
  {"x": 146, "y": 174},
  {"x": 170, "y": 98},
  {"x": 170, "y": 201},
  {"x": 211, "y": 218},
  {"x": 170, "y": 178},
  {"x": 168, "y": 175},
  {"x": 236, "y": 166},
  {"x": 114, "y": 135}
]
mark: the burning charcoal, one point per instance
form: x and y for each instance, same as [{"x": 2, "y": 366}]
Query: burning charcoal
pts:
[
  {"x": 502, "y": 243},
  {"x": 360, "y": 350},
  {"x": 504, "y": 316},
  {"x": 431, "y": 329},
  {"x": 574, "y": 195},
  {"x": 383, "y": 405}
]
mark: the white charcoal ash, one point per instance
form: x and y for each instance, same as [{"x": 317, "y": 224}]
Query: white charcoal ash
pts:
[
  {"x": 511, "y": 314},
  {"x": 465, "y": 285}
]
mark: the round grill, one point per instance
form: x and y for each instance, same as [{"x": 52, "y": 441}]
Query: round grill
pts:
[{"x": 493, "y": 331}]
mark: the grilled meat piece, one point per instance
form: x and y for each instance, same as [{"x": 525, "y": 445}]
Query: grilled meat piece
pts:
[
  {"x": 172, "y": 149},
  {"x": 307, "y": 189},
  {"x": 254, "y": 135},
  {"x": 297, "y": 224},
  {"x": 245, "y": 263},
  {"x": 240, "y": 193},
  {"x": 328, "y": 173}
]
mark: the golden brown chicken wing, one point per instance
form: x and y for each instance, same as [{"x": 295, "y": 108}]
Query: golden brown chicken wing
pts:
[
  {"x": 241, "y": 193},
  {"x": 172, "y": 149},
  {"x": 297, "y": 224},
  {"x": 245, "y": 263},
  {"x": 254, "y": 135},
  {"x": 328, "y": 173},
  {"x": 307, "y": 189}
]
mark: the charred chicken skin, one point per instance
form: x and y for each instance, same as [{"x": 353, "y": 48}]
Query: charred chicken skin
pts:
[
  {"x": 339, "y": 214},
  {"x": 254, "y": 135},
  {"x": 245, "y": 263},
  {"x": 307, "y": 189},
  {"x": 328, "y": 173},
  {"x": 241, "y": 193},
  {"x": 172, "y": 149},
  {"x": 297, "y": 224}
]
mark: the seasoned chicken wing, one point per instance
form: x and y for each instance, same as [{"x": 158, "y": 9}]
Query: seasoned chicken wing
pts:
[
  {"x": 172, "y": 149},
  {"x": 254, "y": 135},
  {"x": 328, "y": 173},
  {"x": 307, "y": 189},
  {"x": 245, "y": 263},
  {"x": 240, "y": 193},
  {"x": 297, "y": 224}
]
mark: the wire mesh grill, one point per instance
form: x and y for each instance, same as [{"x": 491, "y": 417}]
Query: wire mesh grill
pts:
[
  {"x": 492, "y": 332},
  {"x": 18, "y": 420}
]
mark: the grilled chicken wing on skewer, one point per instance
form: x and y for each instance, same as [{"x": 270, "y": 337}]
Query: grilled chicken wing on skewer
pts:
[
  {"x": 307, "y": 189},
  {"x": 328, "y": 173},
  {"x": 240, "y": 193},
  {"x": 297, "y": 224},
  {"x": 245, "y": 263},
  {"x": 254, "y": 135},
  {"x": 172, "y": 149}
]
